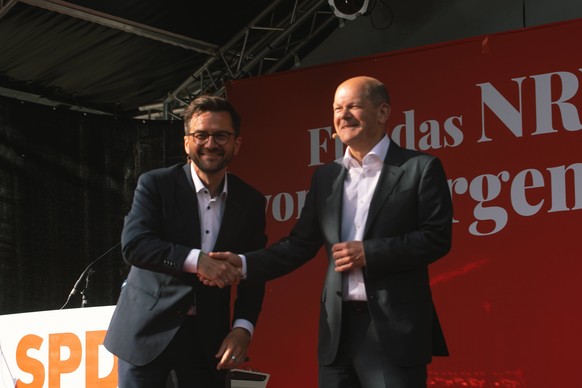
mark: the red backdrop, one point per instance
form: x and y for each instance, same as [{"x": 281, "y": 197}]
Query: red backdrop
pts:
[{"x": 503, "y": 113}]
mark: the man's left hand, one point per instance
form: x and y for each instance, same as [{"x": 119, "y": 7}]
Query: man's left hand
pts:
[
  {"x": 226, "y": 257},
  {"x": 217, "y": 271},
  {"x": 348, "y": 255},
  {"x": 233, "y": 350}
]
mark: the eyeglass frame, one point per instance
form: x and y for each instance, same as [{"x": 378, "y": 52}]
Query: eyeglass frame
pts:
[{"x": 214, "y": 135}]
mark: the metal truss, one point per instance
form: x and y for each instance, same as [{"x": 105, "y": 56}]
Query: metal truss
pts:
[
  {"x": 110, "y": 21},
  {"x": 5, "y": 6},
  {"x": 118, "y": 23},
  {"x": 272, "y": 40}
]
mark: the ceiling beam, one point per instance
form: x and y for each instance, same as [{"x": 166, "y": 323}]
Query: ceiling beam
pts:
[
  {"x": 124, "y": 25},
  {"x": 6, "y": 6},
  {"x": 38, "y": 99}
]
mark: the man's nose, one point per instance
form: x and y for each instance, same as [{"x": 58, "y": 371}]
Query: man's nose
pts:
[
  {"x": 211, "y": 142},
  {"x": 343, "y": 113}
]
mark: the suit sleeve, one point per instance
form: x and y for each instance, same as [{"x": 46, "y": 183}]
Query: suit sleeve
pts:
[
  {"x": 250, "y": 295},
  {"x": 293, "y": 251},
  {"x": 424, "y": 217},
  {"x": 142, "y": 239}
]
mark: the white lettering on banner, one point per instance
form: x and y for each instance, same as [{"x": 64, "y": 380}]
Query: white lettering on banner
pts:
[
  {"x": 488, "y": 218},
  {"x": 315, "y": 146},
  {"x": 283, "y": 206},
  {"x": 436, "y": 136},
  {"x": 502, "y": 108},
  {"x": 552, "y": 94},
  {"x": 544, "y": 103},
  {"x": 512, "y": 117},
  {"x": 487, "y": 187}
]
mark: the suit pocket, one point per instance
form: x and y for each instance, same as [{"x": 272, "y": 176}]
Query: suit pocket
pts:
[
  {"x": 405, "y": 287},
  {"x": 414, "y": 298},
  {"x": 140, "y": 297}
]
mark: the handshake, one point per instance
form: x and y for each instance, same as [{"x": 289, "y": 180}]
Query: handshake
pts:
[
  {"x": 219, "y": 268},
  {"x": 225, "y": 268}
]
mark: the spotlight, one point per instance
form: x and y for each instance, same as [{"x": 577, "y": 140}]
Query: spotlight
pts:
[{"x": 349, "y": 9}]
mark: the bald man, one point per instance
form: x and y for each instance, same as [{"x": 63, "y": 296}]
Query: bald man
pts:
[{"x": 384, "y": 214}]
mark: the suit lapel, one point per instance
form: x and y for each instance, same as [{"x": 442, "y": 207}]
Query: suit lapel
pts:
[
  {"x": 389, "y": 177},
  {"x": 188, "y": 202},
  {"x": 333, "y": 207},
  {"x": 229, "y": 221},
  {"x": 230, "y": 218}
]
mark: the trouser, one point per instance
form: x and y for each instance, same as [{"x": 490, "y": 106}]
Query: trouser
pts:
[
  {"x": 361, "y": 362},
  {"x": 191, "y": 365}
]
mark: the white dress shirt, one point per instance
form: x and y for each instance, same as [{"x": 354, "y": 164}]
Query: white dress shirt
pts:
[
  {"x": 211, "y": 211},
  {"x": 359, "y": 186}
]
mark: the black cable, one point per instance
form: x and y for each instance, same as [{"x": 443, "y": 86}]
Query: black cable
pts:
[
  {"x": 88, "y": 271},
  {"x": 374, "y": 23}
]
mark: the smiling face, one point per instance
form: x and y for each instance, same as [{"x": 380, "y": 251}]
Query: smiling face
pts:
[
  {"x": 359, "y": 117},
  {"x": 211, "y": 159}
]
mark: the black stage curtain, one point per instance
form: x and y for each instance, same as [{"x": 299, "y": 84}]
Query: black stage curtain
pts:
[{"x": 66, "y": 182}]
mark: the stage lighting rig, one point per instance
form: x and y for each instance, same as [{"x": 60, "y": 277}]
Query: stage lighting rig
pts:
[{"x": 349, "y": 9}]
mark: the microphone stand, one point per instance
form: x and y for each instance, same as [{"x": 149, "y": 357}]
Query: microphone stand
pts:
[
  {"x": 87, "y": 272},
  {"x": 84, "y": 301}
]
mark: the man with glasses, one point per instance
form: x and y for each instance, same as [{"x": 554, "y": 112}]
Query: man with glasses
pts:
[{"x": 166, "y": 319}]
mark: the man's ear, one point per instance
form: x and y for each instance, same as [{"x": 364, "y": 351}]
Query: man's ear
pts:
[
  {"x": 383, "y": 113},
  {"x": 187, "y": 144},
  {"x": 237, "y": 144}
]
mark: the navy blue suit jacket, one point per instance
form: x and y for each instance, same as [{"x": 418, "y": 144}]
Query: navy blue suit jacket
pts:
[
  {"x": 159, "y": 232},
  {"x": 409, "y": 226}
]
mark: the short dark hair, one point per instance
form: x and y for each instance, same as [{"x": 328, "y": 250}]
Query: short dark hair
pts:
[
  {"x": 204, "y": 104},
  {"x": 378, "y": 93}
]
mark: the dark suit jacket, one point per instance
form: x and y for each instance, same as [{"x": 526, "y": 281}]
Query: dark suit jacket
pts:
[
  {"x": 159, "y": 232},
  {"x": 408, "y": 227}
]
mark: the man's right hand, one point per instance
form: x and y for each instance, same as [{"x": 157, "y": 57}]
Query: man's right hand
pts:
[
  {"x": 219, "y": 270},
  {"x": 225, "y": 257}
]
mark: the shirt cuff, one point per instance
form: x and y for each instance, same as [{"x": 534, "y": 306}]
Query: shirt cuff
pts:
[
  {"x": 191, "y": 262},
  {"x": 243, "y": 323},
  {"x": 244, "y": 266}
]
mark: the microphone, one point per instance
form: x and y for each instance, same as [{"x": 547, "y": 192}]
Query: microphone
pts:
[{"x": 87, "y": 272}]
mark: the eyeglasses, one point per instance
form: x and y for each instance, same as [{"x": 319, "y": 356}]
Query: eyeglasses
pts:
[{"x": 201, "y": 138}]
